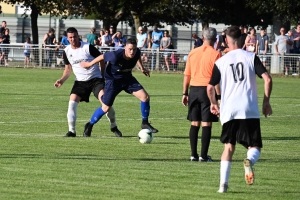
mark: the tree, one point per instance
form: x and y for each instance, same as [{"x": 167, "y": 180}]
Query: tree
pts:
[{"x": 38, "y": 7}]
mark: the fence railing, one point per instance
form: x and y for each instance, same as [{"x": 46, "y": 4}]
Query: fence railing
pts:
[{"x": 171, "y": 60}]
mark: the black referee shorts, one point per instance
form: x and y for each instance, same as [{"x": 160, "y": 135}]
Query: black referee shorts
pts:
[
  {"x": 199, "y": 105},
  {"x": 244, "y": 131}
]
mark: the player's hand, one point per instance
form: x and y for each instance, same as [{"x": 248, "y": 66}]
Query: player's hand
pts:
[
  {"x": 267, "y": 109},
  {"x": 184, "y": 100},
  {"x": 85, "y": 65},
  {"x": 214, "y": 109},
  {"x": 58, "y": 83},
  {"x": 146, "y": 72}
]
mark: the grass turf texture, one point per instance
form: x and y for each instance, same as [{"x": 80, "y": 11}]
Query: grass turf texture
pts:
[{"x": 36, "y": 162}]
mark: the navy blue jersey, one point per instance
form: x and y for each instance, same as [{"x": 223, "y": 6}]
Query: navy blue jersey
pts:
[{"x": 117, "y": 67}]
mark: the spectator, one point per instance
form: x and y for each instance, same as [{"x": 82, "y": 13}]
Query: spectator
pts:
[
  {"x": 92, "y": 37},
  {"x": 106, "y": 39},
  {"x": 174, "y": 60},
  {"x": 64, "y": 40},
  {"x": 1, "y": 61},
  {"x": 297, "y": 40},
  {"x": 141, "y": 37},
  {"x": 198, "y": 41},
  {"x": 149, "y": 39},
  {"x": 101, "y": 33},
  {"x": 3, "y": 27},
  {"x": 49, "y": 42},
  {"x": 5, "y": 47},
  {"x": 251, "y": 40},
  {"x": 119, "y": 40},
  {"x": 281, "y": 44},
  {"x": 244, "y": 34},
  {"x": 165, "y": 43},
  {"x": 222, "y": 41},
  {"x": 157, "y": 35},
  {"x": 112, "y": 31},
  {"x": 262, "y": 45},
  {"x": 290, "y": 50},
  {"x": 27, "y": 51}
]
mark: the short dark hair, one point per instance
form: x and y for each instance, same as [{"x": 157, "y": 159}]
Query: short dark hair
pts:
[
  {"x": 131, "y": 41},
  {"x": 72, "y": 30},
  {"x": 233, "y": 32}
]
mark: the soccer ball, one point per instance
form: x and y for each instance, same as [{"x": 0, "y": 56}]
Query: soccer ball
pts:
[{"x": 145, "y": 136}]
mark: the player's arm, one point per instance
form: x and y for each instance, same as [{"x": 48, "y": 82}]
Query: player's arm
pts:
[
  {"x": 263, "y": 73},
  {"x": 98, "y": 57},
  {"x": 66, "y": 73},
  {"x": 211, "y": 90}
]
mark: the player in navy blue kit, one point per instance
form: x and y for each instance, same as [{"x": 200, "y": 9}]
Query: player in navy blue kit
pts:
[{"x": 118, "y": 77}]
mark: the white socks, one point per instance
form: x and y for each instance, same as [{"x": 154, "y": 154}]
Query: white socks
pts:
[
  {"x": 111, "y": 116},
  {"x": 224, "y": 171},
  {"x": 71, "y": 115},
  {"x": 253, "y": 155}
]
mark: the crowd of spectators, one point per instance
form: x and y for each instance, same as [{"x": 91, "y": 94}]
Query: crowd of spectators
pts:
[{"x": 160, "y": 41}]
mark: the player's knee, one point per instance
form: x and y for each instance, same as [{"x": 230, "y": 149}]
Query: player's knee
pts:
[{"x": 111, "y": 114}]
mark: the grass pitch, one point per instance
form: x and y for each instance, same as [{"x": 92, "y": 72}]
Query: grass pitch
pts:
[{"x": 36, "y": 162}]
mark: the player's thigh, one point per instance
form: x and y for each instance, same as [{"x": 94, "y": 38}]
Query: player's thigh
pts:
[
  {"x": 229, "y": 130},
  {"x": 135, "y": 88},
  {"x": 82, "y": 89},
  {"x": 249, "y": 133},
  {"x": 111, "y": 90},
  {"x": 97, "y": 86}
]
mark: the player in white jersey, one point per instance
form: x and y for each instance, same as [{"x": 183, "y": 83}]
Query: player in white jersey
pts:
[
  {"x": 87, "y": 80},
  {"x": 239, "y": 114}
]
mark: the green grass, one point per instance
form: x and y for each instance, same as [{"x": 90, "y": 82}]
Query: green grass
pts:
[{"x": 36, "y": 162}]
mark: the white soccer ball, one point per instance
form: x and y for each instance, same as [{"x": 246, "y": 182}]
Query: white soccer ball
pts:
[{"x": 145, "y": 136}]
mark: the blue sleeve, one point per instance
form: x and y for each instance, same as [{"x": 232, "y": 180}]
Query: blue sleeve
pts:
[{"x": 109, "y": 57}]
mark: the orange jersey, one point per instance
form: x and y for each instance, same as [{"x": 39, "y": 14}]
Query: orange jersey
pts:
[{"x": 200, "y": 64}]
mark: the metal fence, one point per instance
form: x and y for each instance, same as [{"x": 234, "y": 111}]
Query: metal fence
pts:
[{"x": 171, "y": 60}]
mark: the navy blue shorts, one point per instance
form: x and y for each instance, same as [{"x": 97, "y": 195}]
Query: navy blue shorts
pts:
[{"x": 114, "y": 87}]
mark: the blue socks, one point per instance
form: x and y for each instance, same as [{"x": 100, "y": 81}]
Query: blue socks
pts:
[
  {"x": 145, "y": 110},
  {"x": 97, "y": 116}
]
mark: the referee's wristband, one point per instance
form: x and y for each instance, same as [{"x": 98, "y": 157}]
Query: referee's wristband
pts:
[
  {"x": 218, "y": 97},
  {"x": 185, "y": 94}
]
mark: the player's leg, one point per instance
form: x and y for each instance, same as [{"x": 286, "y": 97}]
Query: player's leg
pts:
[
  {"x": 111, "y": 115},
  {"x": 207, "y": 119},
  {"x": 228, "y": 138},
  {"x": 143, "y": 96},
  {"x": 107, "y": 100},
  {"x": 251, "y": 139},
  {"x": 194, "y": 115},
  {"x": 225, "y": 166},
  {"x": 72, "y": 115},
  {"x": 193, "y": 136}
]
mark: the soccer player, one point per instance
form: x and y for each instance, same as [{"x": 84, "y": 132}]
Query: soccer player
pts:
[
  {"x": 239, "y": 114},
  {"x": 197, "y": 74},
  {"x": 118, "y": 77},
  {"x": 87, "y": 80}
]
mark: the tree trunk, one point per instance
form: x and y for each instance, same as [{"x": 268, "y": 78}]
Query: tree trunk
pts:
[
  {"x": 205, "y": 24},
  {"x": 34, "y": 24},
  {"x": 137, "y": 20}
]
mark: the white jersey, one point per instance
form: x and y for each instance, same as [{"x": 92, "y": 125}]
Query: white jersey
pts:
[
  {"x": 238, "y": 86},
  {"x": 82, "y": 54}
]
